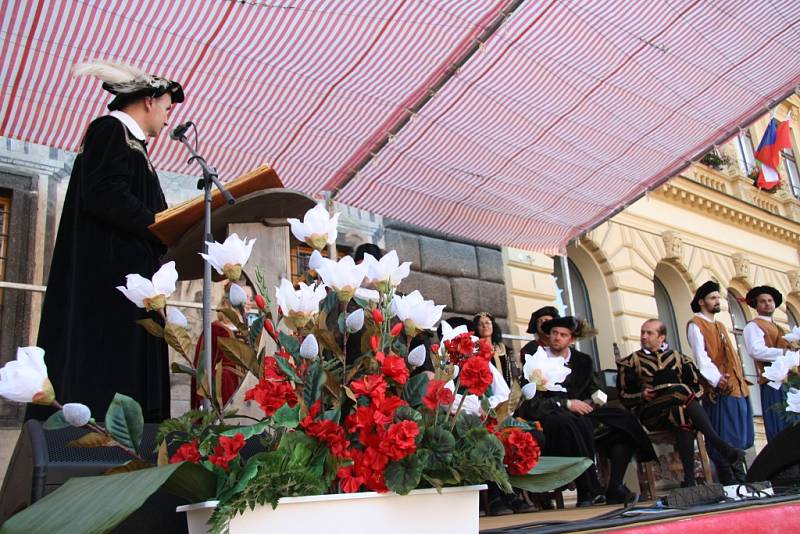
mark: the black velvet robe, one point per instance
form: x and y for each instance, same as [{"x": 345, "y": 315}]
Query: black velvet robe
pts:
[{"x": 93, "y": 346}]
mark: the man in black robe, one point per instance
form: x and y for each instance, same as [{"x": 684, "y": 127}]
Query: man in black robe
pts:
[
  {"x": 577, "y": 422},
  {"x": 93, "y": 346},
  {"x": 538, "y": 318}
]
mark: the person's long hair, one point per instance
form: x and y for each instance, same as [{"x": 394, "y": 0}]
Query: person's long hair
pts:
[{"x": 497, "y": 332}]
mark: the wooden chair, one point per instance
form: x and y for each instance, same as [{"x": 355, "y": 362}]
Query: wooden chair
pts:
[{"x": 646, "y": 470}]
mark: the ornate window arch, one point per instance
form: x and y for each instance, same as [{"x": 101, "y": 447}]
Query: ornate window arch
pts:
[
  {"x": 739, "y": 320},
  {"x": 666, "y": 312}
]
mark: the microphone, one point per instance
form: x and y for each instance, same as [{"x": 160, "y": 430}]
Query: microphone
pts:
[{"x": 179, "y": 130}]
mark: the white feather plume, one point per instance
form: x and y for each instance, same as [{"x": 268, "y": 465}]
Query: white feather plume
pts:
[{"x": 109, "y": 72}]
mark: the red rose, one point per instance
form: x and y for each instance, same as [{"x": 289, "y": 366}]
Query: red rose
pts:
[
  {"x": 476, "y": 376},
  {"x": 437, "y": 394},
  {"x": 186, "y": 453},
  {"x": 227, "y": 450},
  {"x": 400, "y": 440},
  {"x": 522, "y": 450},
  {"x": 394, "y": 367},
  {"x": 271, "y": 393},
  {"x": 373, "y": 386},
  {"x": 377, "y": 316},
  {"x": 260, "y": 302},
  {"x": 396, "y": 329}
]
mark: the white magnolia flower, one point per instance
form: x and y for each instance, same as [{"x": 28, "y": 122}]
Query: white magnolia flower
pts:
[
  {"x": 416, "y": 313},
  {"x": 546, "y": 372},
  {"x": 793, "y": 401},
  {"x": 387, "y": 272},
  {"x": 299, "y": 306},
  {"x": 229, "y": 257},
  {"x": 151, "y": 295},
  {"x": 317, "y": 260},
  {"x": 176, "y": 317},
  {"x": 25, "y": 379},
  {"x": 417, "y": 356},
  {"x": 309, "y": 348},
  {"x": 76, "y": 414},
  {"x": 344, "y": 276},
  {"x": 354, "y": 321},
  {"x": 317, "y": 228},
  {"x": 237, "y": 296},
  {"x": 370, "y": 295},
  {"x": 793, "y": 336},
  {"x": 780, "y": 368}
]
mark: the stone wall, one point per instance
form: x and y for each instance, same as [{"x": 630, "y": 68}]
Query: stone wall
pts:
[{"x": 467, "y": 277}]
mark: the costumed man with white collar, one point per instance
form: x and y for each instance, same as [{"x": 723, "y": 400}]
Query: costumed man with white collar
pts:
[
  {"x": 763, "y": 339},
  {"x": 93, "y": 346},
  {"x": 661, "y": 387},
  {"x": 726, "y": 398}
]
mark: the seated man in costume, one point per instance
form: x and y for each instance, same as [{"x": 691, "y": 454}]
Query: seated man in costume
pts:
[
  {"x": 538, "y": 318},
  {"x": 577, "y": 422},
  {"x": 661, "y": 386}
]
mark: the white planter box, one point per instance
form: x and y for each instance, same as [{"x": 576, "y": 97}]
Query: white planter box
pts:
[{"x": 455, "y": 510}]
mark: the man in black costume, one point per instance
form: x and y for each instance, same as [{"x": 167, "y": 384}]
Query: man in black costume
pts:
[
  {"x": 661, "y": 387},
  {"x": 538, "y": 318},
  {"x": 93, "y": 346},
  {"x": 577, "y": 422}
]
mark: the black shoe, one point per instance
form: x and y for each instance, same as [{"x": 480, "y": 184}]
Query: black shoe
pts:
[
  {"x": 735, "y": 456},
  {"x": 620, "y": 495},
  {"x": 520, "y": 506},
  {"x": 498, "y": 507},
  {"x": 583, "y": 504},
  {"x": 599, "y": 500}
]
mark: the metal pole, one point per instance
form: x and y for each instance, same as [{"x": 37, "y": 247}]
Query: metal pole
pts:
[
  {"x": 208, "y": 237},
  {"x": 567, "y": 284}
]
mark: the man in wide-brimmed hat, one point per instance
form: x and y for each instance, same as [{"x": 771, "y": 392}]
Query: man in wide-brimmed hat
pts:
[
  {"x": 538, "y": 318},
  {"x": 93, "y": 346},
  {"x": 764, "y": 341},
  {"x": 726, "y": 400}
]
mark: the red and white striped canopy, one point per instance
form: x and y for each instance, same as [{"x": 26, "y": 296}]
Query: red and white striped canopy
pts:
[{"x": 567, "y": 111}]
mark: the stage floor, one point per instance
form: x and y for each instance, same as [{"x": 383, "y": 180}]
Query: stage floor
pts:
[{"x": 569, "y": 513}]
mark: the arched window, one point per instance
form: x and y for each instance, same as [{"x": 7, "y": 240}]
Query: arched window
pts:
[
  {"x": 583, "y": 308},
  {"x": 667, "y": 314},
  {"x": 792, "y": 318},
  {"x": 739, "y": 320}
]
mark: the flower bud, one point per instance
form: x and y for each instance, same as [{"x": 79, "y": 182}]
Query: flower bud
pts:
[
  {"x": 176, "y": 317},
  {"x": 396, "y": 329},
  {"x": 373, "y": 343},
  {"x": 417, "y": 356},
  {"x": 76, "y": 414},
  {"x": 237, "y": 296},
  {"x": 529, "y": 391},
  {"x": 435, "y": 347},
  {"x": 309, "y": 348},
  {"x": 261, "y": 302},
  {"x": 270, "y": 328},
  {"x": 377, "y": 315},
  {"x": 355, "y": 321},
  {"x": 380, "y": 357}
]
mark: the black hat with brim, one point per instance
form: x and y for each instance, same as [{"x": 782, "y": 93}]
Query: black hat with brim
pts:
[
  {"x": 546, "y": 311},
  {"x": 568, "y": 322},
  {"x": 753, "y": 294},
  {"x": 160, "y": 87},
  {"x": 702, "y": 292}
]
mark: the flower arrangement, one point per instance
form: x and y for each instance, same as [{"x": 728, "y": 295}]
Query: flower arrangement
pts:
[
  {"x": 715, "y": 160},
  {"x": 785, "y": 372},
  {"x": 392, "y": 414}
]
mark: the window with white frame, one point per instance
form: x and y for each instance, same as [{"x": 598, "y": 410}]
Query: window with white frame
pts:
[
  {"x": 739, "y": 321},
  {"x": 745, "y": 151},
  {"x": 790, "y": 162}
]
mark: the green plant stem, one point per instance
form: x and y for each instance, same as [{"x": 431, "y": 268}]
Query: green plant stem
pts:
[{"x": 458, "y": 411}]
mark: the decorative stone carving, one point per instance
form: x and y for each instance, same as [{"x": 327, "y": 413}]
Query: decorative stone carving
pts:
[
  {"x": 673, "y": 243},
  {"x": 741, "y": 266},
  {"x": 794, "y": 281}
]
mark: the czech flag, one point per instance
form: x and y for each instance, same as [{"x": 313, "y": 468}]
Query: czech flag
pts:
[{"x": 775, "y": 139}]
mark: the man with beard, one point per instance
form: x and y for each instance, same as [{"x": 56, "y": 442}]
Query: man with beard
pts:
[
  {"x": 764, "y": 342},
  {"x": 577, "y": 422},
  {"x": 661, "y": 387},
  {"x": 726, "y": 392}
]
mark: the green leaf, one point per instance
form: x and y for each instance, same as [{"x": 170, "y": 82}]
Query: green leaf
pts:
[
  {"x": 467, "y": 422},
  {"x": 407, "y": 413},
  {"x": 330, "y": 302},
  {"x": 56, "y": 421},
  {"x": 176, "y": 368},
  {"x": 255, "y": 329},
  {"x": 286, "y": 417},
  {"x": 240, "y": 352},
  {"x": 290, "y": 343},
  {"x": 441, "y": 445},
  {"x": 404, "y": 475},
  {"x": 312, "y": 386},
  {"x": 415, "y": 389},
  {"x": 286, "y": 369},
  {"x": 179, "y": 339},
  {"x": 247, "y": 431},
  {"x": 91, "y": 440},
  {"x": 124, "y": 421},
  {"x": 99, "y": 504},
  {"x": 340, "y": 323},
  {"x": 550, "y": 473},
  {"x": 152, "y": 327}
]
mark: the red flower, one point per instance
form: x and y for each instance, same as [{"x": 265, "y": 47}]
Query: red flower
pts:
[
  {"x": 476, "y": 376},
  {"x": 380, "y": 356},
  {"x": 186, "y": 453},
  {"x": 373, "y": 343},
  {"x": 271, "y": 393},
  {"x": 330, "y": 433},
  {"x": 485, "y": 349},
  {"x": 435, "y": 347},
  {"x": 437, "y": 394},
  {"x": 400, "y": 440},
  {"x": 394, "y": 367},
  {"x": 372, "y": 385},
  {"x": 269, "y": 327},
  {"x": 377, "y": 316},
  {"x": 396, "y": 329},
  {"x": 460, "y": 347},
  {"x": 227, "y": 450},
  {"x": 261, "y": 303},
  {"x": 522, "y": 450},
  {"x": 349, "y": 481}
]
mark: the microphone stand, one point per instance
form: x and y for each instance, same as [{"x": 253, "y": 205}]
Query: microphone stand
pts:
[{"x": 210, "y": 177}]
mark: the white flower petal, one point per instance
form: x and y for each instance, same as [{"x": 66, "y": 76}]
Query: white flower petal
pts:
[
  {"x": 165, "y": 278},
  {"x": 529, "y": 391},
  {"x": 176, "y": 317},
  {"x": 22, "y": 379},
  {"x": 237, "y": 296},
  {"x": 355, "y": 321},
  {"x": 309, "y": 348},
  {"x": 417, "y": 356}
]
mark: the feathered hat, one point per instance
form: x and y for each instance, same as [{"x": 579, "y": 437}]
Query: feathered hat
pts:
[
  {"x": 579, "y": 327},
  {"x": 128, "y": 83}
]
